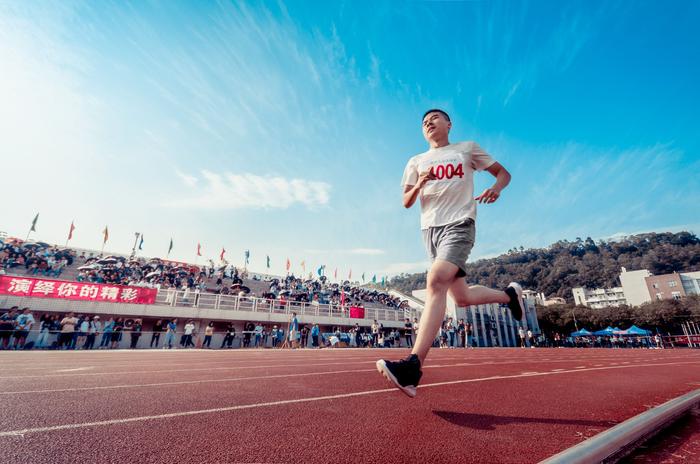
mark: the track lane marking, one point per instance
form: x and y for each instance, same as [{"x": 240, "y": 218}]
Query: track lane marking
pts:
[{"x": 80, "y": 425}]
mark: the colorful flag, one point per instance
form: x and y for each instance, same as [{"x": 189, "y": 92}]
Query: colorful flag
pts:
[
  {"x": 33, "y": 228},
  {"x": 268, "y": 262},
  {"x": 170, "y": 248},
  {"x": 320, "y": 270},
  {"x": 221, "y": 256},
  {"x": 247, "y": 257},
  {"x": 106, "y": 232},
  {"x": 303, "y": 266},
  {"x": 383, "y": 281},
  {"x": 141, "y": 243},
  {"x": 335, "y": 274},
  {"x": 70, "y": 232},
  {"x": 374, "y": 279},
  {"x": 350, "y": 274},
  {"x": 199, "y": 250},
  {"x": 363, "y": 277},
  {"x": 289, "y": 265}
]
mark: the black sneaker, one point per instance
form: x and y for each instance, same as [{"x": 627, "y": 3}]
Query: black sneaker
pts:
[
  {"x": 405, "y": 374},
  {"x": 515, "y": 292}
]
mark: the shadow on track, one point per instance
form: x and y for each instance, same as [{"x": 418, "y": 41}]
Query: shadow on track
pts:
[{"x": 490, "y": 422}]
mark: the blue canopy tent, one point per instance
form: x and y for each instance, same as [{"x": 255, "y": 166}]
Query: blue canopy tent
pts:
[
  {"x": 635, "y": 331},
  {"x": 607, "y": 332},
  {"x": 581, "y": 333}
]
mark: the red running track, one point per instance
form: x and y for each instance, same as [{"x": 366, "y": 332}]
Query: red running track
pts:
[{"x": 487, "y": 405}]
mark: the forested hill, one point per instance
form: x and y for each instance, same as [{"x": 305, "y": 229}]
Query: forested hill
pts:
[{"x": 581, "y": 263}]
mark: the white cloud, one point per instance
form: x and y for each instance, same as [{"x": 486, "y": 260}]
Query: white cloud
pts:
[
  {"x": 237, "y": 191},
  {"x": 366, "y": 251},
  {"x": 187, "y": 179}
]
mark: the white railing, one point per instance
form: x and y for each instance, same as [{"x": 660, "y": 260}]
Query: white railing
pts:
[{"x": 181, "y": 298}]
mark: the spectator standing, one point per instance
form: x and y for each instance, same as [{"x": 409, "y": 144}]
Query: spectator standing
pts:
[
  {"x": 23, "y": 325},
  {"x": 304, "y": 337},
  {"x": 408, "y": 332},
  {"x": 44, "y": 328},
  {"x": 136, "y": 333},
  {"x": 84, "y": 326},
  {"x": 170, "y": 334},
  {"x": 530, "y": 338},
  {"x": 375, "y": 333},
  {"x": 117, "y": 332},
  {"x": 94, "y": 327},
  {"x": 258, "y": 334},
  {"x": 67, "y": 329},
  {"x": 521, "y": 335},
  {"x": 230, "y": 335},
  {"x": 274, "y": 336},
  {"x": 187, "y": 335},
  {"x": 315, "y": 331},
  {"x": 208, "y": 333},
  {"x": 462, "y": 333},
  {"x": 293, "y": 330},
  {"x": 157, "y": 329},
  {"x": 107, "y": 333},
  {"x": 451, "y": 331}
]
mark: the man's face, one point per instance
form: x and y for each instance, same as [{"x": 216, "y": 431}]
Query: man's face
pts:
[{"x": 435, "y": 126}]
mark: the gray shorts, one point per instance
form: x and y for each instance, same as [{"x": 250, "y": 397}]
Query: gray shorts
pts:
[{"x": 451, "y": 243}]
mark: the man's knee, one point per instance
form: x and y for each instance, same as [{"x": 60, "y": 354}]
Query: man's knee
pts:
[{"x": 439, "y": 281}]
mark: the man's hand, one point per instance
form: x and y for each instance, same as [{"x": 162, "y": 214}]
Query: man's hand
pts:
[
  {"x": 488, "y": 196},
  {"x": 424, "y": 177}
]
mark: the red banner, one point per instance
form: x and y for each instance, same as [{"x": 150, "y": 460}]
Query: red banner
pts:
[{"x": 85, "y": 291}]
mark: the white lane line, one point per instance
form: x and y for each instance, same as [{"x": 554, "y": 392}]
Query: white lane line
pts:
[
  {"x": 183, "y": 382},
  {"x": 580, "y": 367},
  {"x": 230, "y": 379},
  {"x": 22, "y": 432},
  {"x": 75, "y": 369}
]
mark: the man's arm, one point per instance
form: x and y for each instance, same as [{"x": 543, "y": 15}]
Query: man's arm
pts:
[
  {"x": 410, "y": 192},
  {"x": 502, "y": 180}
]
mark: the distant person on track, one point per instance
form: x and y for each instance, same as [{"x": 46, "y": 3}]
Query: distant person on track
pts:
[{"x": 443, "y": 179}]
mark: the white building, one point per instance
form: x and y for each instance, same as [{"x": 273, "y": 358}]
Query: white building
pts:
[
  {"x": 691, "y": 282},
  {"x": 600, "y": 297},
  {"x": 634, "y": 286}
]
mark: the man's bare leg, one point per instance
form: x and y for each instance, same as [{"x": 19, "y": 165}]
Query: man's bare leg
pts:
[
  {"x": 441, "y": 277},
  {"x": 467, "y": 295}
]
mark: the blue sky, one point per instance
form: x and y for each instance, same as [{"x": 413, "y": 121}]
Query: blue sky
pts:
[{"x": 284, "y": 128}]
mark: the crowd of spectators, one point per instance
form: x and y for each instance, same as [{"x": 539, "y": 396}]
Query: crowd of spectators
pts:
[
  {"x": 44, "y": 260},
  {"x": 38, "y": 259}
]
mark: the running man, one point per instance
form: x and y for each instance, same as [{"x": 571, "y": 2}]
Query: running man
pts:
[{"x": 443, "y": 178}]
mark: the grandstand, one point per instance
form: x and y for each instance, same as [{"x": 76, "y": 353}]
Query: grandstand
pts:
[{"x": 203, "y": 294}]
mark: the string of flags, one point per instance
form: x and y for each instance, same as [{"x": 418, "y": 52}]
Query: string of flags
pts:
[{"x": 320, "y": 271}]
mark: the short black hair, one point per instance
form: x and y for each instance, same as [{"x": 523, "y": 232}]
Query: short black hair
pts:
[{"x": 438, "y": 111}]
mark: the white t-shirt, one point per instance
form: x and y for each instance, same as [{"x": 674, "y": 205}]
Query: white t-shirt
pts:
[
  {"x": 189, "y": 328},
  {"x": 450, "y": 197}
]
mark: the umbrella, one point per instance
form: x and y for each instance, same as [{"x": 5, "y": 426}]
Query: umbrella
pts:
[
  {"x": 30, "y": 245},
  {"x": 151, "y": 274},
  {"x": 107, "y": 261},
  {"x": 88, "y": 267},
  {"x": 43, "y": 244}
]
